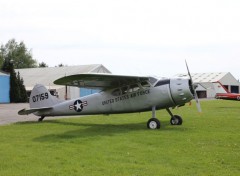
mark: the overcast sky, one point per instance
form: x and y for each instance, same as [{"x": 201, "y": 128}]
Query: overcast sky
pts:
[{"x": 128, "y": 36}]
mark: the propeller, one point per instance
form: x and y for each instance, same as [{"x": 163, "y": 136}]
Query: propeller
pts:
[{"x": 194, "y": 90}]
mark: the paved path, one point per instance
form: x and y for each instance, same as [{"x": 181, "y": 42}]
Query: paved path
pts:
[{"x": 9, "y": 114}]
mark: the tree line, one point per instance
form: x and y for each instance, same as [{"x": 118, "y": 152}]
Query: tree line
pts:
[{"x": 14, "y": 55}]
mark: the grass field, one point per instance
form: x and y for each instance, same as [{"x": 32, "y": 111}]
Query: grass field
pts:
[{"x": 206, "y": 144}]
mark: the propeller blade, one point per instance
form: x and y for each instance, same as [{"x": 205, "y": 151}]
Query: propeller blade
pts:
[
  {"x": 197, "y": 101},
  {"x": 193, "y": 88}
]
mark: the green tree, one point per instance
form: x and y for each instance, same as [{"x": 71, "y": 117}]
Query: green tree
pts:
[
  {"x": 1, "y": 56},
  {"x": 42, "y": 64},
  {"x": 60, "y": 65},
  {"x": 18, "y": 92},
  {"x": 22, "y": 90},
  {"x": 6, "y": 66},
  {"x": 18, "y": 54},
  {"x": 14, "y": 87}
]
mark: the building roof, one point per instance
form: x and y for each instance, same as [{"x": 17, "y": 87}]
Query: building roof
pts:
[
  {"x": 48, "y": 75},
  {"x": 206, "y": 77},
  {"x": 2, "y": 73}
]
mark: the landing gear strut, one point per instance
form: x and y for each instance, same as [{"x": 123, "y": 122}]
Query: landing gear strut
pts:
[
  {"x": 41, "y": 118},
  {"x": 153, "y": 123},
  {"x": 175, "y": 119}
]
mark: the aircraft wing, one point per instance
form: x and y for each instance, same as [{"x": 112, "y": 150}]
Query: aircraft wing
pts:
[
  {"x": 99, "y": 81},
  {"x": 29, "y": 111}
]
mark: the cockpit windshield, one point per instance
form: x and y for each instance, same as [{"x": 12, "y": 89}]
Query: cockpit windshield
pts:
[
  {"x": 162, "y": 82},
  {"x": 158, "y": 81},
  {"x": 152, "y": 80}
]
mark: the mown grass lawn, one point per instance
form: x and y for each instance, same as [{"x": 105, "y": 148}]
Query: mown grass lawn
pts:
[{"x": 206, "y": 144}]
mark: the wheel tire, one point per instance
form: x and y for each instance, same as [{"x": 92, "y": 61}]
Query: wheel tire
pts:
[
  {"x": 41, "y": 118},
  {"x": 153, "y": 123},
  {"x": 176, "y": 120}
]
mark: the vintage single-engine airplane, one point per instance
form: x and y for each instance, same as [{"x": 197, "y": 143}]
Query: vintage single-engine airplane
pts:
[
  {"x": 224, "y": 94},
  {"x": 118, "y": 94}
]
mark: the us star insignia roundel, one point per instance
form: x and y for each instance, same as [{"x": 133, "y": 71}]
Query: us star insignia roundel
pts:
[{"x": 78, "y": 105}]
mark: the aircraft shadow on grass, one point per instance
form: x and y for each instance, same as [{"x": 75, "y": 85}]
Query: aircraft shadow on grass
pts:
[
  {"x": 228, "y": 107},
  {"x": 90, "y": 130}
]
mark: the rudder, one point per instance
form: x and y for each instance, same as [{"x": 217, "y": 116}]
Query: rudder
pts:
[{"x": 40, "y": 97}]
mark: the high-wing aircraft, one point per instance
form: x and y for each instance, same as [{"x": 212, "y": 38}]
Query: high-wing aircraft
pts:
[
  {"x": 224, "y": 93},
  {"x": 118, "y": 94}
]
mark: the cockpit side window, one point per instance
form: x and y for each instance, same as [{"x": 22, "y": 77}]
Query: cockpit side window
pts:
[
  {"x": 116, "y": 92},
  {"x": 133, "y": 88},
  {"x": 152, "y": 80},
  {"x": 145, "y": 84},
  {"x": 124, "y": 90},
  {"x": 162, "y": 82}
]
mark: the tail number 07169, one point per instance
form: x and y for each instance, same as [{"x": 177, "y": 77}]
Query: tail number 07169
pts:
[{"x": 40, "y": 97}]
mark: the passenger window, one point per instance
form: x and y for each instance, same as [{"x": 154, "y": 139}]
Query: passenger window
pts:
[
  {"x": 124, "y": 90},
  {"x": 116, "y": 92},
  {"x": 133, "y": 88},
  {"x": 145, "y": 84}
]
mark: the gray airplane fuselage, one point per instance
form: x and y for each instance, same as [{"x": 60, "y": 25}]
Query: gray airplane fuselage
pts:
[{"x": 171, "y": 93}]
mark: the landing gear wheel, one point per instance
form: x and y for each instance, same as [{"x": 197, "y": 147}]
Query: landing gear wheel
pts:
[
  {"x": 176, "y": 120},
  {"x": 153, "y": 123},
  {"x": 41, "y": 118}
]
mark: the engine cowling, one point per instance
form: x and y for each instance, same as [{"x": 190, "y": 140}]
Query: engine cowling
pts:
[{"x": 181, "y": 91}]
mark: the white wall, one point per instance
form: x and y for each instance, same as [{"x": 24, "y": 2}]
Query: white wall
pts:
[
  {"x": 228, "y": 79},
  {"x": 74, "y": 92}
]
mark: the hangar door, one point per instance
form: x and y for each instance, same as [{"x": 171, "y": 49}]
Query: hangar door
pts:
[
  {"x": 201, "y": 91},
  {"x": 234, "y": 89},
  {"x": 4, "y": 89},
  {"x": 202, "y": 94}
]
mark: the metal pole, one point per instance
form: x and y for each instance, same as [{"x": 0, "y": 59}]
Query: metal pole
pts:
[{"x": 66, "y": 93}]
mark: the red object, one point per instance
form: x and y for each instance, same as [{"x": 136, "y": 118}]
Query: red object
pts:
[{"x": 228, "y": 95}]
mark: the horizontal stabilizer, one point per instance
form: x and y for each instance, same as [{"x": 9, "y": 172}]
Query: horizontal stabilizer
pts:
[{"x": 32, "y": 110}]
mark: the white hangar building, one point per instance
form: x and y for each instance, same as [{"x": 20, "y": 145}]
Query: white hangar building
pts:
[
  {"x": 47, "y": 75},
  {"x": 208, "y": 83}
]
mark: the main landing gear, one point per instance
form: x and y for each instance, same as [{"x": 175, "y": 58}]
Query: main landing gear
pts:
[
  {"x": 175, "y": 119},
  {"x": 154, "y": 123},
  {"x": 41, "y": 118}
]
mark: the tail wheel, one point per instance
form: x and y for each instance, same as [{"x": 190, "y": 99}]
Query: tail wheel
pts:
[
  {"x": 153, "y": 123},
  {"x": 176, "y": 120}
]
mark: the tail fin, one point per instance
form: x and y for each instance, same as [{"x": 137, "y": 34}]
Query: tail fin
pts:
[
  {"x": 41, "y": 98},
  {"x": 41, "y": 101}
]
